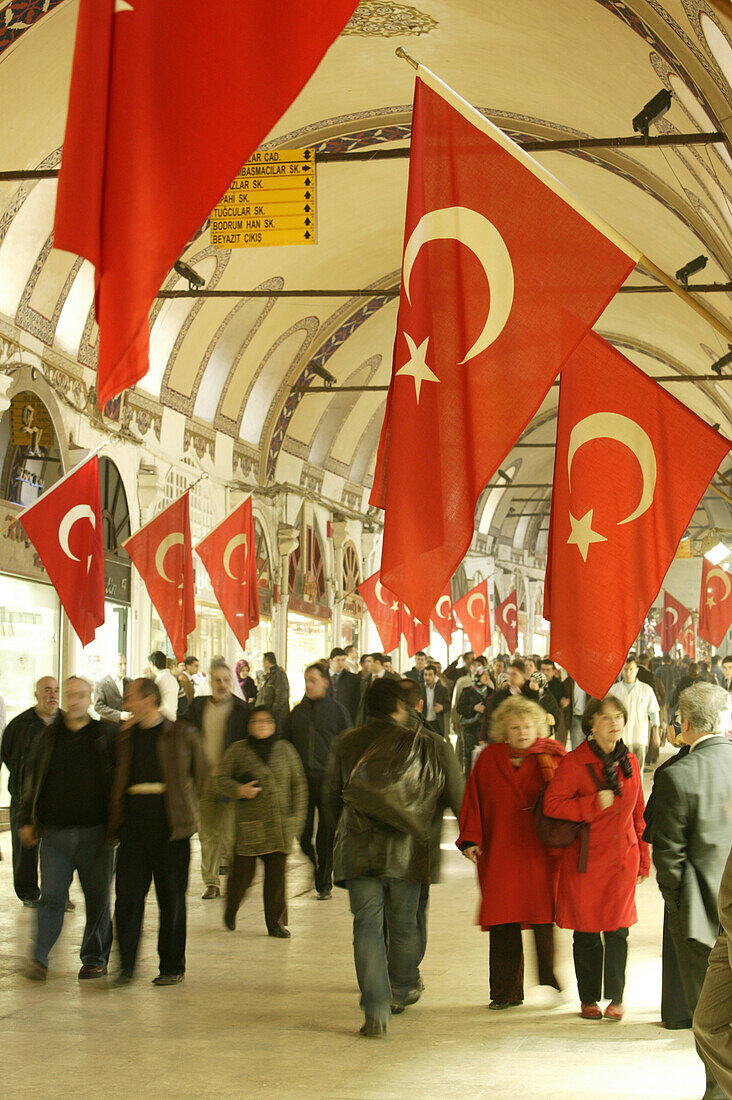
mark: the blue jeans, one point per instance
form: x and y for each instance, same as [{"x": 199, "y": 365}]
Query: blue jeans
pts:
[
  {"x": 86, "y": 851},
  {"x": 25, "y": 860},
  {"x": 385, "y": 974}
]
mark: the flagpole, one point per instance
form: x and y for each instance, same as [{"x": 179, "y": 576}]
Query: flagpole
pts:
[
  {"x": 698, "y": 307},
  {"x": 58, "y": 485}
]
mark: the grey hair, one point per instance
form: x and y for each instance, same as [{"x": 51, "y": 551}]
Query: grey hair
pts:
[
  {"x": 705, "y": 707},
  {"x": 219, "y": 662}
]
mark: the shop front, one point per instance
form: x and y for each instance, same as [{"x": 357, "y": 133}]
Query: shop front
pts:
[
  {"x": 260, "y": 640},
  {"x": 353, "y": 607},
  {"x": 308, "y": 616}
]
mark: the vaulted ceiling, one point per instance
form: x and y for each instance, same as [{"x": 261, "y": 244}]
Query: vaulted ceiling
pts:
[{"x": 538, "y": 68}]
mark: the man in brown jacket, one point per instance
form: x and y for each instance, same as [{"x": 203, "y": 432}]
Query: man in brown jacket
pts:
[
  {"x": 712, "y": 1027},
  {"x": 159, "y": 774}
]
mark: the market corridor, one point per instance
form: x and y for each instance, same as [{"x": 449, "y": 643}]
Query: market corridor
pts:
[{"x": 262, "y": 1017}]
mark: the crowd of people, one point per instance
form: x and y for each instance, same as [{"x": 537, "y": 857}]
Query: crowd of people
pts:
[{"x": 546, "y": 784}]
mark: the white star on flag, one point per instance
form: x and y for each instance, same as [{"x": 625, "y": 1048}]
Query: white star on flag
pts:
[
  {"x": 582, "y": 535},
  {"x": 416, "y": 365}
]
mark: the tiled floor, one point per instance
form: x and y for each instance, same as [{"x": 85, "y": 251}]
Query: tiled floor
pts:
[{"x": 262, "y": 1017}]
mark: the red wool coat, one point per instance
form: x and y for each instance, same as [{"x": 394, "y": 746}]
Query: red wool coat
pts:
[
  {"x": 515, "y": 871},
  {"x": 603, "y": 897}
]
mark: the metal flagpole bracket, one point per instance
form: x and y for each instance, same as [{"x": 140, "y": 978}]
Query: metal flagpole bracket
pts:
[{"x": 401, "y": 52}]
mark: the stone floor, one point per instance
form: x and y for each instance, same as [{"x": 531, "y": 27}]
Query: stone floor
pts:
[{"x": 262, "y": 1017}]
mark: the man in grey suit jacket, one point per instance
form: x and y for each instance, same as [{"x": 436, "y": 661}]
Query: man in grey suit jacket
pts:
[
  {"x": 714, "y": 1011},
  {"x": 692, "y": 836},
  {"x": 109, "y": 692}
]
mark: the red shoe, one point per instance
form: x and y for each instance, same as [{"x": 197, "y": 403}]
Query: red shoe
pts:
[
  {"x": 590, "y": 1012},
  {"x": 615, "y": 1011}
]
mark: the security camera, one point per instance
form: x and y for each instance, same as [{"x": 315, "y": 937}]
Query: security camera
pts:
[
  {"x": 684, "y": 273},
  {"x": 186, "y": 272},
  {"x": 655, "y": 109},
  {"x": 321, "y": 372}
]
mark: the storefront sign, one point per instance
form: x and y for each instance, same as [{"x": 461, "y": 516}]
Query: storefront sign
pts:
[
  {"x": 117, "y": 581},
  {"x": 30, "y": 423},
  {"x": 353, "y": 605},
  {"x": 270, "y": 202}
]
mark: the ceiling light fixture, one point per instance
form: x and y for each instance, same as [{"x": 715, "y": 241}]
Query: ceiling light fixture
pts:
[
  {"x": 718, "y": 553},
  {"x": 654, "y": 110}
]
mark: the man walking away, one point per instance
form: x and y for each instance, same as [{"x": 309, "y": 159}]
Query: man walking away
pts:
[
  {"x": 66, "y": 802},
  {"x": 159, "y": 775},
  {"x": 692, "y": 836},
  {"x": 16, "y": 747}
]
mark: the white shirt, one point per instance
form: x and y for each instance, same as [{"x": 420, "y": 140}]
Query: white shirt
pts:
[
  {"x": 430, "y": 709},
  {"x": 119, "y": 684},
  {"x": 642, "y": 706},
  {"x": 706, "y": 737},
  {"x": 168, "y": 686}
]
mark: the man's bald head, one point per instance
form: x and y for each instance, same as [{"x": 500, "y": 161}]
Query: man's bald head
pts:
[{"x": 47, "y": 697}]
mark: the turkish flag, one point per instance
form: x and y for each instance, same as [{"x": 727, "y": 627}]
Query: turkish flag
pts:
[
  {"x": 688, "y": 641},
  {"x": 507, "y": 620},
  {"x": 502, "y": 276},
  {"x": 65, "y": 526},
  {"x": 161, "y": 554},
  {"x": 473, "y": 611},
  {"x": 442, "y": 616},
  {"x": 230, "y": 558},
  {"x": 168, "y": 99},
  {"x": 416, "y": 634},
  {"x": 624, "y": 494},
  {"x": 384, "y": 609},
  {"x": 672, "y": 622},
  {"x": 715, "y": 603}
]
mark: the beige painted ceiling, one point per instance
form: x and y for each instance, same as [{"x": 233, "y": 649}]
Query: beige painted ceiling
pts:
[{"x": 546, "y": 68}]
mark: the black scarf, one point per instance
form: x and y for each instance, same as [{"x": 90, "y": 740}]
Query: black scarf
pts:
[
  {"x": 618, "y": 756},
  {"x": 262, "y": 746}
]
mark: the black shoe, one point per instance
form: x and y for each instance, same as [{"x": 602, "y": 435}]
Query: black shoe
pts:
[
  {"x": 279, "y": 933},
  {"x": 69, "y": 907},
  {"x": 678, "y": 1025},
  {"x": 31, "y": 903},
  {"x": 325, "y": 895},
  {"x": 372, "y": 1029},
  {"x": 122, "y": 977},
  {"x": 88, "y": 970},
  {"x": 396, "y": 1009},
  {"x": 230, "y": 922},
  {"x": 168, "y": 979},
  {"x": 498, "y": 1006}
]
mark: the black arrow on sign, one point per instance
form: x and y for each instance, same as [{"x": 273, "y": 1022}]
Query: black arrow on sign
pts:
[
  {"x": 307, "y": 193},
  {"x": 307, "y": 183},
  {"x": 307, "y": 154},
  {"x": 307, "y": 221},
  {"x": 307, "y": 207},
  {"x": 307, "y": 234}
]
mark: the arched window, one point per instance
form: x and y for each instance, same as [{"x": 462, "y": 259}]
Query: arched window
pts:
[
  {"x": 351, "y": 568},
  {"x": 307, "y": 568}
]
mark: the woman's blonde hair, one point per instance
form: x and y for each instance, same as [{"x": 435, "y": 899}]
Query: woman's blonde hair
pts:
[{"x": 517, "y": 707}]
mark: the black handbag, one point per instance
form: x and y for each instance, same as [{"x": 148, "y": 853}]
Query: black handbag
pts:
[{"x": 556, "y": 832}]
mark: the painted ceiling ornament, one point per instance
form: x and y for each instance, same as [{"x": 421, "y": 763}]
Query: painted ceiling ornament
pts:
[
  {"x": 622, "y": 429},
  {"x": 374, "y": 18}
]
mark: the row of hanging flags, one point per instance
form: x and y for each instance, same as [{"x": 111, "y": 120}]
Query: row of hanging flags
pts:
[
  {"x": 65, "y": 527},
  {"x": 504, "y": 275}
]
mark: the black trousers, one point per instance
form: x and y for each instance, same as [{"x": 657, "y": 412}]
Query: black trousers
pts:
[
  {"x": 275, "y": 896},
  {"x": 506, "y": 963},
  {"x": 25, "y": 860},
  {"x": 320, "y": 855},
  {"x": 147, "y": 854},
  {"x": 597, "y": 964},
  {"x": 674, "y": 1009},
  {"x": 692, "y": 958}
]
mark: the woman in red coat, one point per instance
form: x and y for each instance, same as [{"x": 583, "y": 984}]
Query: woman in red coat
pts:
[
  {"x": 600, "y": 783},
  {"x": 515, "y": 871}
]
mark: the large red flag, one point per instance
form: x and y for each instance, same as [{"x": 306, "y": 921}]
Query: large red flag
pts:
[
  {"x": 161, "y": 554},
  {"x": 503, "y": 273},
  {"x": 167, "y": 103},
  {"x": 442, "y": 617},
  {"x": 624, "y": 494},
  {"x": 715, "y": 603},
  {"x": 383, "y": 607},
  {"x": 65, "y": 526},
  {"x": 416, "y": 634},
  {"x": 473, "y": 611},
  {"x": 673, "y": 621},
  {"x": 507, "y": 620},
  {"x": 229, "y": 554}
]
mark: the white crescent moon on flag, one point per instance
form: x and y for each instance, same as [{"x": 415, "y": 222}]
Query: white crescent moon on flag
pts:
[
  {"x": 471, "y": 601},
  {"x": 237, "y": 540},
  {"x": 442, "y": 614},
  {"x": 674, "y": 612},
  {"x": 378, "y": 589},
  {"x": 79, "y": 511},
  {"x": 460, "y": 223},
  {"x": 510, "y": 607},
  {"x": 717, "y": 572},
  {"x": 176, "y": 539},
  {"x": 607, "y": 425}
]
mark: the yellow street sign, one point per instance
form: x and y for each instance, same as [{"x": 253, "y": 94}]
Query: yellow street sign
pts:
[{"x": 271, "y": 201}]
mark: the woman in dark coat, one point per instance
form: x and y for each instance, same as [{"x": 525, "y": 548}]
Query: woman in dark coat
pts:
[
  {"x": 471, "y": 709},
  {"x": 517, "y": 874},
  {"x": 245, "y": 681},
  {"x": 600, "y": 783}
]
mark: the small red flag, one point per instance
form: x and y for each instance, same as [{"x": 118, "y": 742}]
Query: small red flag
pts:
[
  {"x": 474, "y": 613},
  {"x": 442, "y": 617},
  {"x": 416, "y": 634},
  {"x": 624, "y": 494},
  {"x": 161, "y": 554},
  {"x": 715, "y": 603},
  {"x": 503, "y": 273},
  {"x": 688, "y": 641},
  {"x": 383, "y": 607},
  {"x": 673, "y": 621},
  {"x": 230, "y": 558},
  {"x": 165, "y": 108},
  {"x": 507, "y": 620},
  {"x": 65, "y": 526}
]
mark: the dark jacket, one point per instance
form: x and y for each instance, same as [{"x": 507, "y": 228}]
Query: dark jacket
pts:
[
  {"x": 348, "y": 692},
  {"x": 441, "y": 720},
  {"x": 363, "y": 845},
  {"x": 236, "y": 724},
  {"x": 313, "y": 726},
  {"x": 469, "y": 699},
  {"x": 692, "y": 835},
  {"x": 40, "y": 757},
  {"x": 271, "y": 821},
  {"x": 452, "y": 793},
  {"x": 16, "y": 746},
  {"x": 650, "y": 810},
  {"x": 183, "y": 769},
  {"x": 275, "y": 694},
  {"x": 108, "y": 703}
]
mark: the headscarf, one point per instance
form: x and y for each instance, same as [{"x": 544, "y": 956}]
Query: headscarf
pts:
[
  {"x": 541, "y": 681},
  {"x": 618, "y": 756},
  {"x": 502, "y": 681}
]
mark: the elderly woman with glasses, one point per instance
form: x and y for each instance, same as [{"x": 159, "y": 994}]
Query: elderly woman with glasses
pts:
[{"x": 517, "y": 874}]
